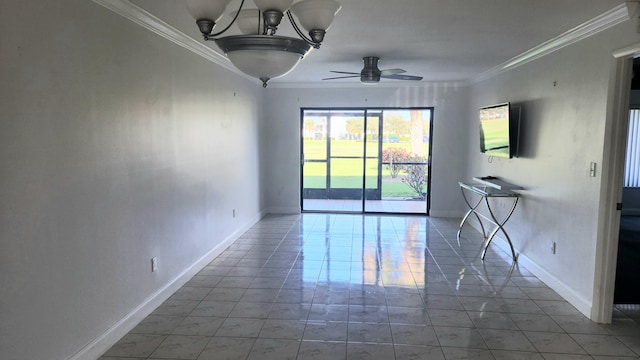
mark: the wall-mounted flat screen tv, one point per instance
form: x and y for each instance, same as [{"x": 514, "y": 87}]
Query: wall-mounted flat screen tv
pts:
[{"x": 496, "y": 131}]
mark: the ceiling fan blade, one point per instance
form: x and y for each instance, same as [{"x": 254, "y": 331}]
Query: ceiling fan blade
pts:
[
  {"x": 345, "y": 72},
  {"x": 342, "y": 77},
  {"x": 392, "y": 72},
  {"x": 402, "y": 77}
]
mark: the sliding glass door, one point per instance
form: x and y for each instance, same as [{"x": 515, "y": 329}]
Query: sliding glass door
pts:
[
  {"x": 365, "y": 160},
  {"x": 333, "y": 156},
  {"x": 402, "y": 164}
]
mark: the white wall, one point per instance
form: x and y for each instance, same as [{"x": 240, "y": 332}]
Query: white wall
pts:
[
  {"x": 564, "y": 102},
  {"x": 115, "y": 146},
  {"x": 282, "y": 155}
]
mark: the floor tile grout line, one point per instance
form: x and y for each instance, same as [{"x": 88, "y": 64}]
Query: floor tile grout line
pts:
[{"x": 421, "y": 290}]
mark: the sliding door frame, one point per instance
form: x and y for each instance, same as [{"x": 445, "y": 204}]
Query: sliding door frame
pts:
[{"x": 366, "y": 111}]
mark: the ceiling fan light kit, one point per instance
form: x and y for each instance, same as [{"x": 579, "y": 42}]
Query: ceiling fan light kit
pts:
[{"x": 259, "y": 52}]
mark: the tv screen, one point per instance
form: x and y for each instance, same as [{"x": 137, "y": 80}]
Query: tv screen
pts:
[{"x": 495, "y": 131}]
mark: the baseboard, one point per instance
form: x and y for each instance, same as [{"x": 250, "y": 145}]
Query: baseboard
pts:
[
  {"x": 446, "y": 213},
  {"x": 580, "y": 303},
  {"x": 102, "y": 343},
  {"x": 284, "y": 210}
]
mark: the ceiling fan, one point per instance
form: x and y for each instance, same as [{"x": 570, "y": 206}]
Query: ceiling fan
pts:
[{"x": 372, "y": 74}]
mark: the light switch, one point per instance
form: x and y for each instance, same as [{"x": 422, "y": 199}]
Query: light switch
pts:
[{"x": 592, "y": 169}]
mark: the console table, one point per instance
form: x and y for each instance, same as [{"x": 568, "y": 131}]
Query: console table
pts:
[{"x": 484, "y": 190}]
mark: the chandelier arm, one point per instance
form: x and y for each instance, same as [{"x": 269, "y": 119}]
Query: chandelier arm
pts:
[
  {"x": 300, "y": 33},
  {"x": 265, "y": 28},
  {"x": 228, "y": 26}
]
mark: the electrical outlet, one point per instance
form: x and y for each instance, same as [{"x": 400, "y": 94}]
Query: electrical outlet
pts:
[
  {"x": 553, "y": 248},
  {"x": 154, "y": 264}
]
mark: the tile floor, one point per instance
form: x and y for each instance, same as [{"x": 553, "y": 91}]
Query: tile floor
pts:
[{"x": 317, "y": 286}]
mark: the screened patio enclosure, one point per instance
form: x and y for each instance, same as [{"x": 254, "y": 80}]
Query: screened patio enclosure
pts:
[{"x": 366, "y": 160}]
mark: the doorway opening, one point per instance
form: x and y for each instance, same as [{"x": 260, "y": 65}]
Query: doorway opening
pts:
[
  {"x": 626, "y": 291},
  {"x": 374, "y": 160},
  {"x": 609, "y": 218}
]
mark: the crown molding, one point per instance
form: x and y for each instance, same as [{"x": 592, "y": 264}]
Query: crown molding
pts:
[
  {"x": 607, "y": 20},
  {"x": 138, "y": 15},
  {"x": 152, "y": 23}
]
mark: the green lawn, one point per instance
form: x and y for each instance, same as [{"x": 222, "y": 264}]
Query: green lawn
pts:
[
  {"x": 347, "y": 173},
  {"x": 390, "y": 187}
]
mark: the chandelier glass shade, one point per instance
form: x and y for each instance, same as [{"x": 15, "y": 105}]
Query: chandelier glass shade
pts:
[
  {"x": 202, "y": 9},
  {"x": 315, "y": 15},
  {"x": 280, "y": 5},
  {"x": 249, "y": 21},
  {"x": 259, "y": 52},
  {"x": 263, "y": 56}
]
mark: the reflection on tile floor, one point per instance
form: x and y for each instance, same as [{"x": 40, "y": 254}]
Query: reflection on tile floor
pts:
[{"x": 317, "y": 286}]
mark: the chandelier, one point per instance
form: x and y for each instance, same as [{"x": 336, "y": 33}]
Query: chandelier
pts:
[{"x": 259, "y": 52}]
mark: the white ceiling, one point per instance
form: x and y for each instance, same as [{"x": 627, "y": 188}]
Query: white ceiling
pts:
[{"x": 441, "y": 40}]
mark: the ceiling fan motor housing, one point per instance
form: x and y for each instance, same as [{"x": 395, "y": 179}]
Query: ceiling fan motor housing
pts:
[{"x": 370, "y": 73}]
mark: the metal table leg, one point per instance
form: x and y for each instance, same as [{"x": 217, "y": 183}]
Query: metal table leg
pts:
[
  {"x": 499, "y": 227},
  {"x": 472, "y": 210}
]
